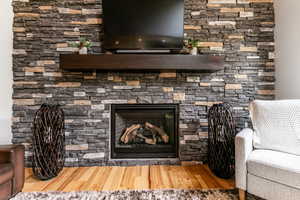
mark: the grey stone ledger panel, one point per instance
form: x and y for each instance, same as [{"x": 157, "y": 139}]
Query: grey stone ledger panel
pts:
[{"x": 241, "y": 30}]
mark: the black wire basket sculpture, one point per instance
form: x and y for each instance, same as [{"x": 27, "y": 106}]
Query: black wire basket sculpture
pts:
[
  {"x": 48, "y": 142},
  {"x": 221, "y": 133}
]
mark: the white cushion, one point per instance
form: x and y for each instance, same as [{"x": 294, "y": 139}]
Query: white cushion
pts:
[
  {"x": 276, "y": 125},
  {"x": 276, "y": 166},
  {"x": 271, "y": 190}
]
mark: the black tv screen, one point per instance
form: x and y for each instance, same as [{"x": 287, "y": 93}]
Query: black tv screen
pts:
[{"x": 143, "y": 24}]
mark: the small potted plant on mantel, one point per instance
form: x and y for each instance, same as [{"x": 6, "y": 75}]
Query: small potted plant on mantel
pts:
[
  {"x": 191, "y": 45},
  {"x": 83, "y": 45}
]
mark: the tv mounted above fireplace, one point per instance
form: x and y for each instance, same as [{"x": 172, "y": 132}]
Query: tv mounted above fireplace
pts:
[{"x": 143, "y": 24}]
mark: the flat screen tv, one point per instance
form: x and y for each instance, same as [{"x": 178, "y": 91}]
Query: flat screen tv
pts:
[{"x": 143, "y": 24}]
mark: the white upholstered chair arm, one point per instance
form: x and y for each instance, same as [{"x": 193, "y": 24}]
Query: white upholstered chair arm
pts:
[{"x": 243, "y": 148}]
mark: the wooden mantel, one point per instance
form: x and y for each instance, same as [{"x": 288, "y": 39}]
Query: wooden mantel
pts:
[{"x": 121, "y": 62}]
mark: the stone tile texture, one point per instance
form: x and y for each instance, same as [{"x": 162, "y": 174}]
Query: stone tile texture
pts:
[{"x": 240, "y": 30}]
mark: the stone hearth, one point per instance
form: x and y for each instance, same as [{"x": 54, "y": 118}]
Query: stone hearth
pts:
[{"x": 240, "y": 30}]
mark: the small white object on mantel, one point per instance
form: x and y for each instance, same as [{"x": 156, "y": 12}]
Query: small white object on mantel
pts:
[
  {"x": 83, "y": 51},
  {"x": 194, "y": 51}
]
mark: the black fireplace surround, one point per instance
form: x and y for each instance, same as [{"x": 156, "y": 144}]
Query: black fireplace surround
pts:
[{"x": 144, "y": 131}]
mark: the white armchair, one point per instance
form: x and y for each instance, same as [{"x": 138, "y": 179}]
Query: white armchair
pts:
[{"x": 268, "y": 157}]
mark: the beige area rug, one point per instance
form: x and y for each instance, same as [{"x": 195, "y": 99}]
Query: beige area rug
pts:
[{"x": 134, "y": 195}]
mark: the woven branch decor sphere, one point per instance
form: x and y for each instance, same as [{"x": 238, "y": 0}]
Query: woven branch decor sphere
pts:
[
  {"x": 48, "y": 142},
  {"x": 221, "y": 135}
]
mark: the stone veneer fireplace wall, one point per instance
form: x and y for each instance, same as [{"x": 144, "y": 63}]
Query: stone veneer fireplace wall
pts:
[{"x": 241, "y": 30}]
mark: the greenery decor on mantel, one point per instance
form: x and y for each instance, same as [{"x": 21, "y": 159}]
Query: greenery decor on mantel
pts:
[
  {"x": 191, "y": 45},
  {"x": 83, "y": 45}
]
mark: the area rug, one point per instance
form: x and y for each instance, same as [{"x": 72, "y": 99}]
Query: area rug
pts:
[{"x": 133, "y": 195}]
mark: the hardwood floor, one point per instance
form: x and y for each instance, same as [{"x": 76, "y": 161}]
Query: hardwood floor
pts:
[{"x": 122, "y": 178}]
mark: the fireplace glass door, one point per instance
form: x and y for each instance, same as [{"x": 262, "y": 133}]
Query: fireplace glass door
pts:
[{"x": 144, "y": 131}]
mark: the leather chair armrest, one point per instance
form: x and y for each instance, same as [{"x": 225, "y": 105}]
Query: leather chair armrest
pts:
[
  {"x": 15, "y": 155},
  {"x": 4, "y": 157}
]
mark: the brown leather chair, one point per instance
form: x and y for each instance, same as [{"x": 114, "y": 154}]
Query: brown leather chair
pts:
[{"x": 11, "y": 170}]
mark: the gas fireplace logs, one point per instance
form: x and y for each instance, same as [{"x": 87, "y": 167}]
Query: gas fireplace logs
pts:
[
  {"x": 137, "y": 131},
  {"x": 130, "y": 133},
  {"x": 160, "y": 131}
]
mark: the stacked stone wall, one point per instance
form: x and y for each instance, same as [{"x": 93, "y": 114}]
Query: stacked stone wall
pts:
[{"x": 240, "y": 30}]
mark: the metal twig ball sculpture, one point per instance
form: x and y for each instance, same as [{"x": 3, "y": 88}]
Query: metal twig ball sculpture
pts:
[
  {"x": 221, "y": 135},
  {"x": 48, "y": 142}
]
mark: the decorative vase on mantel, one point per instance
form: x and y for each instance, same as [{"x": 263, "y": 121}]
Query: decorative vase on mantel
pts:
[
  {"x": 83, "y": 51},
  {"x": 194, "y": 51},
  {"x": 83, "y": 45}
]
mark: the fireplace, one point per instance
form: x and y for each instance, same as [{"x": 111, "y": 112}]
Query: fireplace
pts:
[{"x": 144, "y": 131}]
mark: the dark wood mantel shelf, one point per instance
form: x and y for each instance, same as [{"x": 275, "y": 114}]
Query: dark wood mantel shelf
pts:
[{"x": 125, "y": 62}]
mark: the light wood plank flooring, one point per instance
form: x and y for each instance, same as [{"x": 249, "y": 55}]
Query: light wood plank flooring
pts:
[{"x": 123, "y": 178}]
